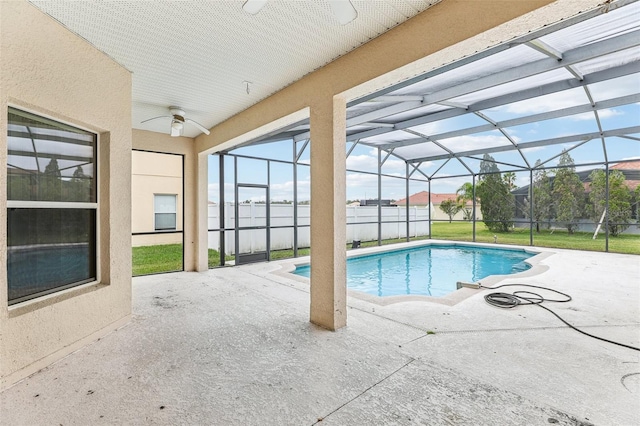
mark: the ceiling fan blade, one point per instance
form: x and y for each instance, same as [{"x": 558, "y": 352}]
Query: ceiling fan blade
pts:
[
  {"x": 199, "y": 126},
  {"x": 343, "y": 10},
  {"x": 154, "y": 118},
  {"x": 253, "y": 6}
]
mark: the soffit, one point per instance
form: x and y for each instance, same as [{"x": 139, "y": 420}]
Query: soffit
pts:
[{"x": 198, "y": 55}]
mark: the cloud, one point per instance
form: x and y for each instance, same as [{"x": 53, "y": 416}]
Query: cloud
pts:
[
  {"x": 362, "y": 162},
  {"x": 448, "y": 185},
  {"x": 213, "y": 191},
  {"x": 369, "y": 163},
  {"x": 365, "y": 186},
  {"x": 603, "y": 113},
  {"x": 526, "y": 151},
  {"x": 284, "y": 191},
  {"x": 361, "y": 180}
]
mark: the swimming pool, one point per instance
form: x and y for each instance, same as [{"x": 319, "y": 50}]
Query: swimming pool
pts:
[{"x": 430, "y": 270}]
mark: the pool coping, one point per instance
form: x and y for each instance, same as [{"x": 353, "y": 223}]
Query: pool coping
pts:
[{"x": 286, "y": 268}]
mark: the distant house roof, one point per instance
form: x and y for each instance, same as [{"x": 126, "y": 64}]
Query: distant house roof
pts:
[
  {"x": 630, "y": 170},
  {"x": 422, "y": 199},
  {"x": 629, "y": 165}
]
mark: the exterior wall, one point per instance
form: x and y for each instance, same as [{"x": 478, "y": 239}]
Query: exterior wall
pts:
[
  {"x": 195, "y": 191},
  {"x": 438, "y": 214},
  {"x": 47, "y": 70},
  {"x": 153, "y": 173}
]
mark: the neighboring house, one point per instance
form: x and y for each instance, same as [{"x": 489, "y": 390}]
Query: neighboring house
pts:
[
  {"x": 421, "y": 199},
  {"x": 630, "y": 170},
  {"x": 156, "y": 198}
]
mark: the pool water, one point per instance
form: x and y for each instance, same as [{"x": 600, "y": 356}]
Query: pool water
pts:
[{"x": 430, "y": 270}]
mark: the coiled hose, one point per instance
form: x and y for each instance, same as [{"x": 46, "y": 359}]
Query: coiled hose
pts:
[{"x": 524, "y": 297}]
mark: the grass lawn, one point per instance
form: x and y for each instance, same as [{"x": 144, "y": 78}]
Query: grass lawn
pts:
[
  {"x": 164, "y": 258},
  {"x": 168, "y": 257},
  {"x": 463, "y": 231}
]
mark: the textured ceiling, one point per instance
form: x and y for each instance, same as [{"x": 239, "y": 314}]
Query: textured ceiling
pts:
[{"x": 198, "y": 55}]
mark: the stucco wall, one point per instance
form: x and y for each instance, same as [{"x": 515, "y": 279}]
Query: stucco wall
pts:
[
  {"x": 47, "y": 70},
  {"x": 154, "y": 173},
  {"x": 162, "y": 142}
]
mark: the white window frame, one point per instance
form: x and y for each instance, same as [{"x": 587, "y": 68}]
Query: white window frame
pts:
[
  {"x": 175, "y": 212},
  {"x": 64, "y": 205}
]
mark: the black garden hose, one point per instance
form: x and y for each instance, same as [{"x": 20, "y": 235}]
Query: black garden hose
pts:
[{"x": 523, "y": 297}]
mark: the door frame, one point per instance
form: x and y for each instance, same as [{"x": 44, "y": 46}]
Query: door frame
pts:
[{"x": 258, "y": 256}]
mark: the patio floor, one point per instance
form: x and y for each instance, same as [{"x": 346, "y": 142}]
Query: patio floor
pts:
[{"x": 234, "y": 346}]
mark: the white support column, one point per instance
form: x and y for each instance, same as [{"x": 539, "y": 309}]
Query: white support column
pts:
[{"x": 328, "y": 213}]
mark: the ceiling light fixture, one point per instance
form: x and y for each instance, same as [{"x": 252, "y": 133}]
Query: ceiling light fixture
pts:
[
  {"x": 342, "y": 9},
  {"x": 253, "y": 6},
  {"x": 176, "y": 128},
  {"x": 177, "y": 121}
]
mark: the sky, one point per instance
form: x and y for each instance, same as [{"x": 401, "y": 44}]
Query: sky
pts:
[{"x": 364, "y": 158}]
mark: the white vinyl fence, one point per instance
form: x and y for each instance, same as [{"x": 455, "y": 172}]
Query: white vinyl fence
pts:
[{"x": 253, "y": 214}]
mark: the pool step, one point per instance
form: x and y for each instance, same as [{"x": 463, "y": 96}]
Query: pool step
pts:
[{"x": 520, "y": 267}]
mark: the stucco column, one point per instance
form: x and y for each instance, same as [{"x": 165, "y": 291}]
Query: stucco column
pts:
[
  {"x": 202, "y": 214},
  {"x": 328, "y": 213}
]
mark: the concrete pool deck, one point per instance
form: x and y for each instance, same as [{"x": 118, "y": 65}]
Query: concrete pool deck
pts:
[{"x": 234, "y": 346}]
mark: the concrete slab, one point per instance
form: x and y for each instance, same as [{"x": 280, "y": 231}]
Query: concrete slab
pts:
[
  {"x": 234, "y": 346},
  {"x": 430, "y": 394}
]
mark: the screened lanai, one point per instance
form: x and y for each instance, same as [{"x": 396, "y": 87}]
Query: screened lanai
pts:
[{"x": 565, "y": 97}]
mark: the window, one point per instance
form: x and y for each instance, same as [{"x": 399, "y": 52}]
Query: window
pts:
[
  {"x": 52, "y": 206},
  {"x": 165, "y": 211}
]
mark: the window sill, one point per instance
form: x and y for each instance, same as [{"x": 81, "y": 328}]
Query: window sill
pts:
[{"x": 32, "y": 305}]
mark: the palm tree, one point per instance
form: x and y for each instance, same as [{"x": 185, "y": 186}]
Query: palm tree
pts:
[{"x": 464, "y": 195}]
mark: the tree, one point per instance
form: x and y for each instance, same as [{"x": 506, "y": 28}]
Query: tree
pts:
[
  {"x": 568, "y": 193},
  {"x": 450, "y": 207},
  {"x": 619, "y": 211},
  {"x": 18, "y": 186},
  {"x": 509, "y": 179},
  {"x": 50, "y": 182},
  {"x": 464, "y": 195},
  {"x": 80, "y": 187},
  {"x": 542, "y": 199},
  {"x": 497, "y": 202}
]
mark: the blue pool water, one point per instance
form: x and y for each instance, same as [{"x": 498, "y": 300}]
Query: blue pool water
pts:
[{"x": 430, "y": 270}]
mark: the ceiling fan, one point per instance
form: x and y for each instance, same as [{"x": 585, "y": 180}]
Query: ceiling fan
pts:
[
  {"x": 342, "y": 9},
  {"x": 177, "y": 121}
]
